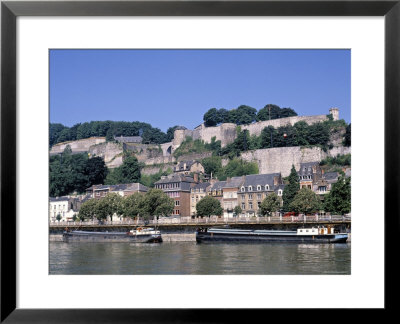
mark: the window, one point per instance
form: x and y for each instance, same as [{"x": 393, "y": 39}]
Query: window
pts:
[
  {"x": 258, "y": 188},
  {"x": 266, "y": 187},
  {"x": 243, "y": 206},
  {"x": 258, "y": 196},
  {"x": 250, "y": 188},
  {"x": 322, "y": 189},
  {"x": 250, "y": 196},
  {"x": 250, "y": 205},
  {"x": 242, "y": 197},
  {"x": 280, "y": 192}
]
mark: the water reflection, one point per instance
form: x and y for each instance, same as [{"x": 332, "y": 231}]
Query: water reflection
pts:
[{"x": 190, "y": 258}]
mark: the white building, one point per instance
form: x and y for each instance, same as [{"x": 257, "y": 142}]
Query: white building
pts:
[{"x": 62, "y": 206}]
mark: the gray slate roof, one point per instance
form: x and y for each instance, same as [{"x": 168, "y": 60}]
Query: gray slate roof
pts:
[
  {"x": 52, "y": 199},
  {"x": 202, "y": 185},
  {"x": 218, "y": 185},
  {"x": 329, "y": 176},
  {"x": 121, "y": 187},
  {"x": 175, "y": 178},
  {"x": 234, "y": 182},
  {"x": 260, "y": 179},
  {"x": 187, "y": 164},
  {"x": 306, "y": 168}
]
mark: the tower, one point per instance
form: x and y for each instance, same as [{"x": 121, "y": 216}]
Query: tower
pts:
[{"x": 335, "y": 113}]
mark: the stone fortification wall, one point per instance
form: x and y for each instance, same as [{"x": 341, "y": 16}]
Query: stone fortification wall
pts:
[
  {"x": 256, "y": 128},
  {"x": 148, "y": 170},
  {"x": 110, "y": 152},
  {"x": 181, "y": 134},
  {"x": 194, "y": 156},
  {"x": 226, "y": 132},
  {"x": 78, "y": 146},
  {"x": 280, "y": 159}
]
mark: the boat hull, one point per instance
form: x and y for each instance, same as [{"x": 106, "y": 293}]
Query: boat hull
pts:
[
  {"x": 206, "y": 237},
  {"x": 110, "y": 237}
]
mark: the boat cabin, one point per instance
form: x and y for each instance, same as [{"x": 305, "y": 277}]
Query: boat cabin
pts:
[{"x": 315, "y": 231}]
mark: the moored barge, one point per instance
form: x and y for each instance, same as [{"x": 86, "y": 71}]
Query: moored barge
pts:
[
  {"x": 301, "y": 235},
  {"x": 138, "y": 235}
]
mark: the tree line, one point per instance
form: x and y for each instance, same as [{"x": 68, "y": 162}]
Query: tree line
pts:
[
  {"x": 145, "y": 205},
  {"x": 245, "y": 115},
  {"x": 59, "y": 133},
  {"x": 70, "y": 173}
]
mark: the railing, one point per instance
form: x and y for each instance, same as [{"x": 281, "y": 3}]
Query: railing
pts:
[{"x": 213, "y": 220}]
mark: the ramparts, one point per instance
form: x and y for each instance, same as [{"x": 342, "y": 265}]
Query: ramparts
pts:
[
  {"x": 78, "y": 146},
  {"x": 281, "y": 159},
  {"x": 226, "y": 133}
]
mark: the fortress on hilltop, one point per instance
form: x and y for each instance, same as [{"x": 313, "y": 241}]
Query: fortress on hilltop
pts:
[
  {"x": 226, "y": 133},
  {"x": 156, "y": 157}
]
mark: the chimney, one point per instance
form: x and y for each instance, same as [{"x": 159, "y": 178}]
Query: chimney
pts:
[
  {"x": 276, "y": 180},
  {"x": 196, "y": 177}
]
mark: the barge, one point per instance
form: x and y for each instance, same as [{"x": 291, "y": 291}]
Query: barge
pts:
[
  {"x": 138, "y": 235},
  {"x": 301, "y": 235}
]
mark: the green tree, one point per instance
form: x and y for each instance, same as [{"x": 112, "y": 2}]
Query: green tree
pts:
[
  {"x": 291, "y": 189},
  {"x": 108, "y": 206},
  {"x": 96, "y": 171},
  {"x": 306, "y": 201},
  {"x": 130, "y": 170},
  {"x": 338, "y": 200},
  {"x": 211, "y": 117},
  {"x": 208, "y": 206},
  {"x": 88, "y": 209},
  {"x": 157, "y": 203},
  {"x": 133, "y": 205},
  {"x": 242, "y": 115},
  {"x": 58, "y": 217},
  {"x": 212, "y": 164},
  {"x": 270, "y": 204},
  {"x": 237, "y": 211},
  {"x": 269, "y": 111}
]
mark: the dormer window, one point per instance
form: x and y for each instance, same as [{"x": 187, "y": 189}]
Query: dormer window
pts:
[
  {"x": 242, "y": 189},
  {"x": 250, "y": 188},
  {"x": 266, "y": 187},
  {"x": 258, "y": 188},
  {"x": 280, "y": 192}
]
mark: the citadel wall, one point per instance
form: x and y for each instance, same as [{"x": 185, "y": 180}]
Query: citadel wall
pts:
[
  {"x": 81, "y": 145},
  {"x": 280, "y": 159},
  {"x": 226, "y": 133}
]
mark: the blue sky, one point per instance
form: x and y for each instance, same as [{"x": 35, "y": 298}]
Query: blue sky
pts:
[{"x": 176, "y": 87}]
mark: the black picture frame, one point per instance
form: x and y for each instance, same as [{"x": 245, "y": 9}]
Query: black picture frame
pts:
[{"x": 10, "y": 10}]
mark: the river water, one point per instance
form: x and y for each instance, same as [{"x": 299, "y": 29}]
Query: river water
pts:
[{"x": 181, "y": 258}]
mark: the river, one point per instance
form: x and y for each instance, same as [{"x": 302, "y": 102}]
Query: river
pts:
[{"x": 181, "y": 258}]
